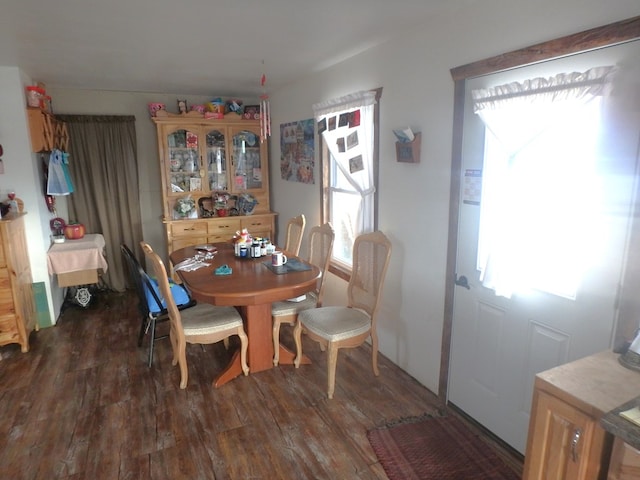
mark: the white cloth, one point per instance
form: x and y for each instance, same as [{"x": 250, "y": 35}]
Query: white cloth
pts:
[{"x": 75, "y": 255}]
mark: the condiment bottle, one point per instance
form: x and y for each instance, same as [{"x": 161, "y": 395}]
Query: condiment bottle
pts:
[{"x": 255, "y": 249}]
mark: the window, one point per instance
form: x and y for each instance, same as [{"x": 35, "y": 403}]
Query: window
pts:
[
  {"x": 541, "y": 211},
  {"x": 349, "y": 157}
]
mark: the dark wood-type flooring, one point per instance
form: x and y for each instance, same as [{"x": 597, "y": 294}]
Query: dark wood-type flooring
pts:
[{"x": 82, "y": 404}]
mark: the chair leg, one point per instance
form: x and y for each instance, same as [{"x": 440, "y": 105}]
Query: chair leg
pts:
[
  {"x": 182, "y": 361},
  {"x": 374, "y": 353},
  {"x": 244, "y": 343},
  {"x": 225, "y": 342},
  {"x": 297, "y": 336},
  {"x": 143, "y": 329},
  {"x": 276, "y": 341},
  {"x": 332, "y": 360},
  {"x": 175, "y": 348},
  {"x": 152, "y": 322}
]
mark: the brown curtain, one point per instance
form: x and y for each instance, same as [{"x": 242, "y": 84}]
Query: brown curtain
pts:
[{"x": 104, "y": 169}]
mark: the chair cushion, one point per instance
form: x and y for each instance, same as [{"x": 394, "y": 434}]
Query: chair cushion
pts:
[
  {"x": 291, "y": 308},
  {"x": 180, "y": 295},
  {"x": 205, "y": 318},
  {"x": 335, "y": 323}
]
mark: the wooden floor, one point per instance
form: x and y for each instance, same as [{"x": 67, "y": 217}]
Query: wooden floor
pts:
[{"x": 82, "y": 404}]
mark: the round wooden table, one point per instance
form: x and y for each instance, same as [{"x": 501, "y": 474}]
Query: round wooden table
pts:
[{"x": 251, "y": 287}]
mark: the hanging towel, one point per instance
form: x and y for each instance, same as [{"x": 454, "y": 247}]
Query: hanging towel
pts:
[
  {"x": 59, "y": 179},
  {"x": 65, "y": 169}
]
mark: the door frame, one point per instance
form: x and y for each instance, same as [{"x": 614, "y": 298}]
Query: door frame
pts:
[{"x": 599, "y": 37}]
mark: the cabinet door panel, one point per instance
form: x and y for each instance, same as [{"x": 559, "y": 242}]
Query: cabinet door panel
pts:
[
  {"x": 565, "y": 446},
  {"x": 625, "y": 462},
  {"x": 216, "y": 155},
  {"x": 247, "y": 159}
]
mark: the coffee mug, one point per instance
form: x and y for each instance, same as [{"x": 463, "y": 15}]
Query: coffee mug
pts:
[{"x": 278, "y": 259}]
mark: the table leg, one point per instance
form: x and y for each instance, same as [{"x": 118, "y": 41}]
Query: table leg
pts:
[
  {"x": 232, "y": 371},
  {"x": 257, "y": 324},
  {"x": 287, "y": 357}
]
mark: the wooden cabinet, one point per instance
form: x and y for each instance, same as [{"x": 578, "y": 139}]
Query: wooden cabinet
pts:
[
  {"x": 200, "y": 158},
  {"x": 625, "y": 462},
  {"x": 46, "y": 132},
  {"x": 565, "y": 438},
  {"x": 17, "y": 307}
]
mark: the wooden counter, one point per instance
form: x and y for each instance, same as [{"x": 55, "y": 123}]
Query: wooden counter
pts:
[
  {"x": 565, "y": 438},
  {"x": 595, "y": 384}
]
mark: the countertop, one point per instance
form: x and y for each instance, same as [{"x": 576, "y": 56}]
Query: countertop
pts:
[
  {"x": 596, "y": 384},
  {"x": 626, "y": 430}
]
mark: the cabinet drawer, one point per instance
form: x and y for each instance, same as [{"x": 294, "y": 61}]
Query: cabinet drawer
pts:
[
  {"x": 224, "y": 227},
  {"x": 261, "y": 233},
  {"x": 181, "y": 242},
  {"x": 257, "y": 223},
  {"x": 188, "y": 229},
  {"x": 6, "y": 293},
  {"x": 8, "y": 329}
]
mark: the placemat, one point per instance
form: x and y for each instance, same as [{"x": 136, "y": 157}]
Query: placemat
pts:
[{"x": 292, "y": 265}]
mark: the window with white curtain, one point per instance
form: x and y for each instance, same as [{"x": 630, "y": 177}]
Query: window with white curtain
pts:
[
  {"x": 541, "y": 209},
  {"x": 348, "y": 127}
]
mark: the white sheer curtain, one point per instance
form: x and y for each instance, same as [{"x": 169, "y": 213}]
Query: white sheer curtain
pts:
[
  {"x": 362, "y": 180},
  {"x": 540, "y": 188}
]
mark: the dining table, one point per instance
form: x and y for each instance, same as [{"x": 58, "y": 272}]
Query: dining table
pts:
[{"x": 250, "y": 285}]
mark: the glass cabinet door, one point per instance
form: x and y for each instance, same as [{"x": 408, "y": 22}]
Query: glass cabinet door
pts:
[
  {"x": 247, "y": 164},
  {"x": 184, "y": 162},
  {"x": 216, "y": 161}
]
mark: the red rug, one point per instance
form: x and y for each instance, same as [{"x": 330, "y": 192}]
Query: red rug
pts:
[{"x": 440, "y": 448}]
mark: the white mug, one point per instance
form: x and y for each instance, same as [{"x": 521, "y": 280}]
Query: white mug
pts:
[{"x": 278, "y": 259}]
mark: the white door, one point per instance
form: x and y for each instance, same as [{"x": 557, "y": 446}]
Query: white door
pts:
[{"x": 499, "y": 344}]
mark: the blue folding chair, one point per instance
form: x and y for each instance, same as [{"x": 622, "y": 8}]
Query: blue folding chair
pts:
[{"x": 151, "y": 305}]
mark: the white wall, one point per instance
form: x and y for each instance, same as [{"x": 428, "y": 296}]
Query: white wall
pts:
[
  {"x": 21, "y": 174},
  {"x": 418, "y": 92}
]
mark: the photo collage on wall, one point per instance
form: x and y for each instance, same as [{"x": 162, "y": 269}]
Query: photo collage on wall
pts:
[
  {"x": 297, "y": 146},
  {"x": 349, "y": 140}
]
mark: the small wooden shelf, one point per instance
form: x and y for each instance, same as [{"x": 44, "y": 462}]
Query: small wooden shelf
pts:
[
  {"x": 46, "y": 132},
  {"x": 409, "y": 152}
]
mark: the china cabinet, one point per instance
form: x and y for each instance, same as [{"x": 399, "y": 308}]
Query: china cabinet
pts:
[
  {"x": 213, "y": 171},
  {"x": 566, "y": 440},
  {"x": 17, "y": 307}
]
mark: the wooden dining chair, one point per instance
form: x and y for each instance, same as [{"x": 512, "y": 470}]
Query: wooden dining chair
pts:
[
  {"x": 336, "y": 327},
  {"x": 201, "y": 324},
  {"x": 320, "y": 245},
  {"x": 295, "y": 230},
  {"x": 150, "y": 305}
]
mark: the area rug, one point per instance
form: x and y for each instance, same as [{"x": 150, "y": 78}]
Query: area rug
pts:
[{"x": 440, "y": 448}]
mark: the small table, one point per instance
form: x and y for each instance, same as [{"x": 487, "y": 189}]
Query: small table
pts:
[
  {"x": 252, "y": 287},
  {"x": 77, "y": 262}
]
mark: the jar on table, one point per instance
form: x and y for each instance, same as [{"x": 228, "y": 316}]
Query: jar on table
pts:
[{"x": 255, "y": 249}]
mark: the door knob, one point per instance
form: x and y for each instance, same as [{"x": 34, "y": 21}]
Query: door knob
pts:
[{"x": 462, "y": 282}]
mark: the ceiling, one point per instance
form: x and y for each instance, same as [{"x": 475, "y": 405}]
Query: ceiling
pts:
[{"x": 195, "y": 47}]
